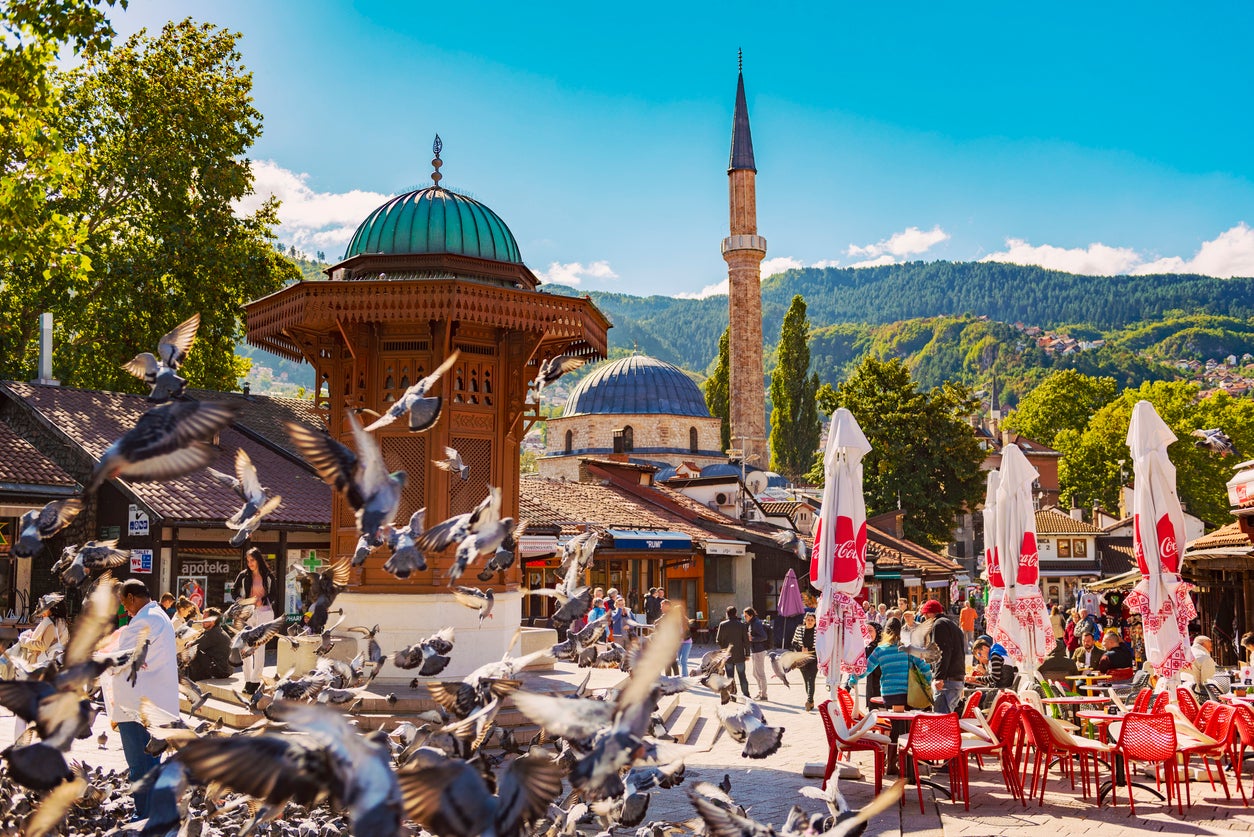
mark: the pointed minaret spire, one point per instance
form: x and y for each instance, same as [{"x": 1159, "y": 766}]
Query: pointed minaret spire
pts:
[{"x": 742, "y": 139}]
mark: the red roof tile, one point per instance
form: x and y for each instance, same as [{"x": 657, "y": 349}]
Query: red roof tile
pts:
[
  {"x": 22, "y": 464},
  {"x": 1051, "y": 521},
  {"x": 569, "y": 504},
  {"x": 92, "y": 420}
]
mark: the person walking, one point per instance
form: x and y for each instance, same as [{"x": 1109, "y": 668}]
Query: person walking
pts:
[
  {"x": 157, "y": 680},
  {"x": 951, "y": 670},
  {"x": 1071, "y": 631},
  {"x": 1058, "y": 622},
  {"x": 803, "y": 640},
  {"x": 653, "y": 605},
  {"x": 966, "y": 620},
  {"x": 759, "y": 642},
  {"x": 733, "y": 635},
  {"x": 255, "y": 581},
  {"x": 894, "y": 665}
]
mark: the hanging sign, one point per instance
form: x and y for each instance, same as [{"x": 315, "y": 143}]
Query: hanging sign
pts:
[
  {"x": 136, "y": 521},
  {"x": 141, "y": 561}
]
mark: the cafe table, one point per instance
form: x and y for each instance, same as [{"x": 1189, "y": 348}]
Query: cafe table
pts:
[
  {"x": 908, "y": 715},
  {"x": 1090, "y": 682},
  {"x": 1073, "y": 703}
]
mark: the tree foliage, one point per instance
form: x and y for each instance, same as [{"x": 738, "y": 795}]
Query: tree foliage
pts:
[
  {"x": 794, "y": 390},
  {"x": 159, "y": 127},
  {"x": 1094, "y": 457},
  {"x": 718, "y": 388},
  {"x": 924, "y": 458},
  {"x": 1065, "y": 400}
]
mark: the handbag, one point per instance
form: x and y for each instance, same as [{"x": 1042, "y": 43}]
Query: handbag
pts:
[{"x": 918, "y": 689}]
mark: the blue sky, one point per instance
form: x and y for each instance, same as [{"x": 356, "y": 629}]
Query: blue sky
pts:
[{"x": 1098, "y": 138}]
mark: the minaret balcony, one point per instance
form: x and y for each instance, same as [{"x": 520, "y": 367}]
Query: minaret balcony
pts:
[{"x": 744, "y": 242}]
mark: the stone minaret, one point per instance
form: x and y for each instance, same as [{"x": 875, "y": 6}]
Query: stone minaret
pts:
[{"x": 743, "y": 251}]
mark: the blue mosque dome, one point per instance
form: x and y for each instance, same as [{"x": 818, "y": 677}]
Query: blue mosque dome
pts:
[{"x": 636, "y": 385}]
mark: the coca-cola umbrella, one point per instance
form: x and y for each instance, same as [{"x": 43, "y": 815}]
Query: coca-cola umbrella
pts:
[
  {"x": 1160, "y": 596},
  {"x": 1026, "y": 631},
  {"x": 838, "y": 560},
  {"x": 992, "y": 567}
]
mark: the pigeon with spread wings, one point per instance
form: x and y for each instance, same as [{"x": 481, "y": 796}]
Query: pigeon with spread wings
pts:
[
  {"x": 361, "y": 477},
  {"x": 160, "y": 371},
  {"x": 168, "y": 441},
  {"x": 556, "y": 367},
  {"x": 424, "y": 410},
  {"x": 37, "y": 526},
  {"x": 77, "y": 563},
  {"x": 257, "y": 501}
]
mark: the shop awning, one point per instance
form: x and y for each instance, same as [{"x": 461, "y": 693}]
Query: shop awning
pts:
[
  {"x": 936, "y": 585},
  {"x": 649, "y": 539}
]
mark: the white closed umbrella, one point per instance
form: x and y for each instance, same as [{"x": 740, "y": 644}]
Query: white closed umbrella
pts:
[
  {"x": 1161, "y": 597},
  {"x": 839, "y": 558},
  {"x": 992, "y": 564},
  {"x": 1025, "y": 630}
]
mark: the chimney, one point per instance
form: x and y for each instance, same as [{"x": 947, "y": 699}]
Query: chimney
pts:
[
  {"x": 1077, "y": 513},
  {"x": 45, "y": 351}
]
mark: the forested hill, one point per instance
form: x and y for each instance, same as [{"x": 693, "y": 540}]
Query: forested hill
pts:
[{"x": 685, "y": 331}]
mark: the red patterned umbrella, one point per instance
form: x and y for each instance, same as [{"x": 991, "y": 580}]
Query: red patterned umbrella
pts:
[
  {"x": 1160, "y": 597},
  {"x": 1025, "y": 628}
]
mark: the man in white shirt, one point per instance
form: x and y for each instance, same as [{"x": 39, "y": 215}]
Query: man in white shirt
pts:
[{"x": 158, "y": 679}]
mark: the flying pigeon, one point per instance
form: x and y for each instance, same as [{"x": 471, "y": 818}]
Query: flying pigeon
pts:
[
  {"x": 319, "y": 590},
  {"x": 793, "y": 542},
  {"x": 160, "y": 371},
  {"x": 476, "y": 599},
  {"x": 423, "y": 410},
  {"x": 457, "y": 528},
  {"x": 247, "y": 641},
  {"x": 505, "y": 554},
  {"x": 486, "y": 540},
  {"x": 168, "y": 441},
  {"x": 556, "y": 367},
  {"x": 35, "y": 527},
  {"x": 783, "y": 662},
  {"x": 406, "y": 557},
  {"x": 430, "y": 656},
  {"x": 257, "y": 501},
  {"x": 452, "y": 462},
  {"x": 77, "y": 563},
  {"x": 362, "y": 477},
  {"x": 1215, "y": 439},
  {"x": 746, "y": 724}
]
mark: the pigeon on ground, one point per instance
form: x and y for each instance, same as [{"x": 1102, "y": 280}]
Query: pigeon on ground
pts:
[
  {"x": 76, "y": 564},
  {"x": 169, "y": 441},
  {"x": 423, "y": 410},
  {"x": 556, "y": 367},
  {"x": 430, "y": 656},
  {"x": 1218, "y": 441},
  {"x": 257, "y": 501},
  {"x": 160, "y": 371},
  {"x": 476, "y": 599},
  {"x": 371, "y": 491},
  {"x": 35, "y": 527},
  {"x": 406, "y": 557},
  {"x": 452, "y": 462}
]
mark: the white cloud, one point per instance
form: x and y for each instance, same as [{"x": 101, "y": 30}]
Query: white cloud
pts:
[
  {"x": 876, "y": 262},
  {"x": 909, "y": 242},
  {"x": 574, "y": 273},
  {"x": 1229, "y": 254},
  {"x": 311, "y": 220},
  {"x": 779, "y": 264},
  {"x": 717, "y": 289}
]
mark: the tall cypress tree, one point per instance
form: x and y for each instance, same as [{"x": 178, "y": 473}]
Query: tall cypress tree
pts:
[
  {"x": 717, "y": 387},
  {"x": 794, "y": 410}
]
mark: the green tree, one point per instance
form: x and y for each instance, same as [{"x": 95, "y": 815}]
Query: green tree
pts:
[
  {"x": 717, "y": 388},
  {"x": 794, "y": 408},
  {"x": 924, "y": 457},
  {"x": 1065, "y": 400},
  {"x": 1093, "y": 459},
  {"x": 42, "y": 258}
]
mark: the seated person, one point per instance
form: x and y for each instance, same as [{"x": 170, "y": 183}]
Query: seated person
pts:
[
  {"x": 1087, "y": 654},
  {"x": 1116, "y": 660},
  {"x": 992, "y": 670},
  {"x": 213, "y": 650},
  {"x": 1058, "y": 665}
]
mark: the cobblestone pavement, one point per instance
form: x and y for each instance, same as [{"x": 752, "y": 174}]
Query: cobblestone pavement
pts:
[{"x": 770, "y": 787}]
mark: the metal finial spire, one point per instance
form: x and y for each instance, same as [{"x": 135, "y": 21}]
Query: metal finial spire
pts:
[
  {"x": 436, "y": 147},
  {"x": 740, "y": 60}
]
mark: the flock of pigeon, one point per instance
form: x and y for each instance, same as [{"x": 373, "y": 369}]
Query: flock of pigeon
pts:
[{"x": 306, "y": 768}]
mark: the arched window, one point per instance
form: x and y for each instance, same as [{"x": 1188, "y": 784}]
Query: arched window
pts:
[
  {"x": 629, "y": 442},
  {"x": 570, "y": 441},
  {"x": 692, "y": 440}
]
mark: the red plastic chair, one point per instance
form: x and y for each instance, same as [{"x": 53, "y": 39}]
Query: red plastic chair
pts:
[
  {"x": 1160, "y": 702},
  {"x": 936, "y": 738},
  {"x": 1204, "y": 713},
  {"x": 836, "y": 745},
  {"x": 973, "y": 703},
  {"x": 1005, "y": 726},
  {"x": 1242, "y": 737},
  {"x": 1050, "y": 742},
  {"x": 1219, "y": 726},
  {"x": 1188, "y": 703},
  {"x": 1142, "y": 701},
  {"x": 1150, "y": 737}
]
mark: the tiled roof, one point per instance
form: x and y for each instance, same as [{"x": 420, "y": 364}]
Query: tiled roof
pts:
[
  {"x": 22, "y": 464},
  {"x": 1229, "y": 536},
  {"x": 265, "y": 415},
  {"x": 1050, "y": 521},
  {"x": 782, "y": 508},
  {"x": 1116, "y": 556},
  {"x": 548, "y": 502},
  {"x": 93, "y": 419},
  {"x": 887, "y": 550}
]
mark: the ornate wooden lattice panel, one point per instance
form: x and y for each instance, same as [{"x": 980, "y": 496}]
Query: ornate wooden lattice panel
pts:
[
  {"x": 474, "y": 380},
  {"x": 408, "y": 453},
  {"x": 477, "y": 453},
  {"x": 398, "y": 373}
]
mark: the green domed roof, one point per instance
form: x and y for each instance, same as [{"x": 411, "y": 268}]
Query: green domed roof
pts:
[{"x": 435, "y": 220}]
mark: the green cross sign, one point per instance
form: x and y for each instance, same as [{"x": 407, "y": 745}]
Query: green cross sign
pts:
[{"x": 311, "y": 563}]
